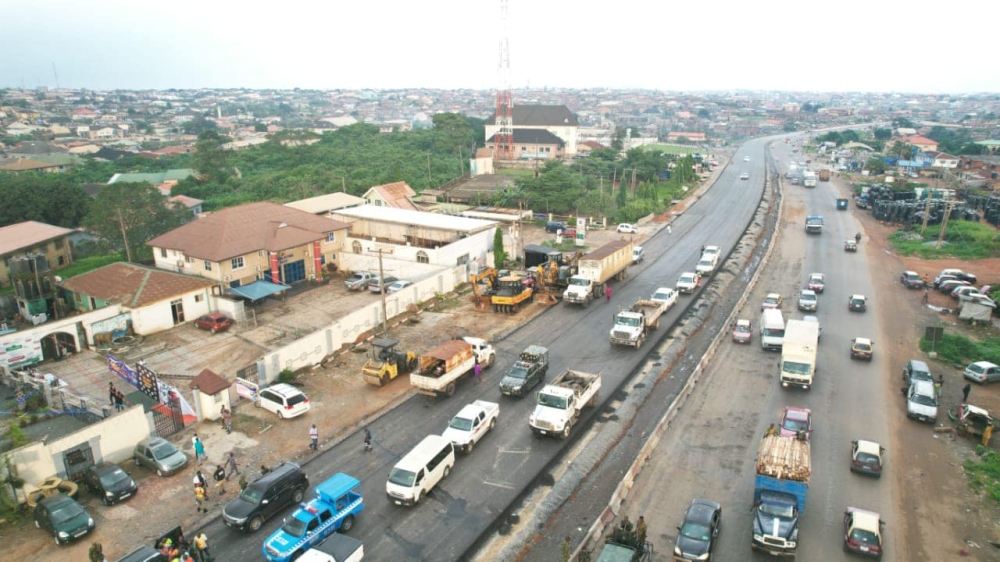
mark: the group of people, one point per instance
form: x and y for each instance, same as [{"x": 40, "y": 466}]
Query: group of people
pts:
[
  {"x": 115, "y": 397},
  {"x": 221, "y": 475},
  {"x": 180, "y": 550}
]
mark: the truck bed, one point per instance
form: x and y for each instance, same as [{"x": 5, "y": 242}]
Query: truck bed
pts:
[{"x": 651, "y": 309}]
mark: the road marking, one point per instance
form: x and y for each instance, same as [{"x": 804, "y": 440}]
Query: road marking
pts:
[
  {"x": 498, "y": 485},
  {"x": 515, "y": 451}
]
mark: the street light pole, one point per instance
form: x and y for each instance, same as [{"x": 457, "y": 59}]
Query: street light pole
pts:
[{"x": 382, "y": 287}]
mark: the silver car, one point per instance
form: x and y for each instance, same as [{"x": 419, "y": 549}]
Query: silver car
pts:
[
  {"x": 982, "y": 372},
  {"x": 160, "y": 455}
]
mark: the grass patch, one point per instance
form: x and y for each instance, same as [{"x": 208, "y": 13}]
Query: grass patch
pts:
[
  {"x": 984, "y": 474},
  {"x": 675, "y": 148},
  {"x": 91, "y": 263},
  {"x": 961, "y": 350},
  {"x": 568, "y": 245},
  {"x": 964, "y": 240},
  {"x": 515, "y": 172}
]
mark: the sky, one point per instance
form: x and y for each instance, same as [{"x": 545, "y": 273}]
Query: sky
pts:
[{"x": 848, "y": 45}]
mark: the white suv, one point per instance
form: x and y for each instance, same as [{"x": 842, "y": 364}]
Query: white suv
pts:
[{"x": 283, "y": 400}]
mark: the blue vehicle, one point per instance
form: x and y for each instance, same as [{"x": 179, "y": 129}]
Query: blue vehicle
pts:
[{"x": 336, "y": 503}]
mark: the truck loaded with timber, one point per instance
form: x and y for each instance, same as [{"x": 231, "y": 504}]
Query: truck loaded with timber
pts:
[{"x": 780, "y": 489}]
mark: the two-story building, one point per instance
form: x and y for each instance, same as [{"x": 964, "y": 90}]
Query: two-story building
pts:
[
  {"x": 263, "y": 240},
  {"x": 31, "y": 239},
  {"x": 556, "y": 119},
  {"x": 395, "y": 195}
]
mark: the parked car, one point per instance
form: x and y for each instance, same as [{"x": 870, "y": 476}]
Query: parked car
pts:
[
  {"x": 569, "y": 232},
  {"x": 772, "y": 300},
  {"x": 627, "y": 228},
  {"x": 796, "y": 422},
  {"x": 942, "y": 278},
  {"x": 742, "y": 331},
  {"x": 376, "y": 284},
  {"x": 711, "y": 251},
  {"x": 857, "y": 303},
  {"x": 816, "y": 282},
  {"x": 956, "y": 274},
  {"x": 863, "y": 532},
  {"x": 916, "y": 370},
  {"x": 808, "y": 300},
  {"x": 982, "y": 372},
  {"x": 109, "y": 482},
  {"x": 862, "y": 348},
  {"x": 921, "y": 401},
  {"x": 665, "y": 294},
  {"x": 60, "y": 515},
  {"x": 266, "y": 496},
  {"x": 398, "y": 285},
  {"x": 866, "y": 457},
  {"x": 156, "y": 453},
  {"x": 554, "y": 226},
  {"x": 213, "y": 322},
  {"x": 948, "y": 286},
  {"x": 696, "y": 535},
  {"x": 965, "y": 291},
  {"x": 358, "y": 281},
  {"x": 911, "y": 280},
  {"x": 283, "y": 400}
]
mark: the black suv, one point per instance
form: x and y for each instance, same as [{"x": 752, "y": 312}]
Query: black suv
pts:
[
  {"x": 554, "y": 226},
  {"x": 109, "y": 482},
  {"x": 267, "y": 495}
]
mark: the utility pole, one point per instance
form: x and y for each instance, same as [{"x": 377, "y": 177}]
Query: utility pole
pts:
[
  {"x": 944, "y": 224},
  {"x": 121, "y": 225},
  {"x": 381, "y": 279},
  {"x": 927, "y": 212},
  {"x": 429, "y": 185}
]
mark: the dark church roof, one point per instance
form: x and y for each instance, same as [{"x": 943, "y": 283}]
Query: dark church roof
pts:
[
  {"x": 541, "y": 116},
  {"x": 533, "y": 136}
]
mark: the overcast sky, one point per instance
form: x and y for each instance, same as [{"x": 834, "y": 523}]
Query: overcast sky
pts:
[{"x": 847, "y": 45}]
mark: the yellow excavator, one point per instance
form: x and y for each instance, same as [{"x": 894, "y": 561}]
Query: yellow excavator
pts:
[
  {"x": 481, "y": 300},
  {"x": 511, "y": 293},
  {"x": 385, "y": 363}
]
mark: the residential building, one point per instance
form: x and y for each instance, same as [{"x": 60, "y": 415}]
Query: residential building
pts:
[
  {"x": 533, "y": 144},
  {"x": 395, "y": 195},
  {"x": 30, "y": 165},
  {"x": 239, "y": 245},
  {"x": 556, "y": 119},
  {"x": 325, "y": 204},
  {"x": 155, "y": 299},
  {"x": 922, "y": 144},
  {"x": 690, "y": 136},
  {"x": 943, "y": 160},
  {"x": 32, "y": 238}
]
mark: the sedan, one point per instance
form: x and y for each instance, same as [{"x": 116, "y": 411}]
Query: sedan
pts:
[
  {"x": 863, "y": 532},
  {"x": 965, "y": 291},
  {"x": 397, "y": 286},
  {"x": 63, "y": 517},
  {"x": 160, "y": 455},
  {"x": 376, "y": 284},
  {"x": 911, "y": 280},
  {"x": 772, "y": 300},
  {"x": 110, "y": 482},
  {"x": 696, "y": 536},
  {"x": 627, "y": 228},
  {"x": 744, "y": 176},
  {"x": 948, "y": 286},
  {"x": 808, "y": 300},
  {"x": 816, "y": 282},
  {"x": 797, "y": 422}
]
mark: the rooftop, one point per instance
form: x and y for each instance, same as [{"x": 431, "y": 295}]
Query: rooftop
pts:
[
  {"x": 414, "y": 218},
  {"x": 133, "y": 285},
  {"x": 24, "y": 235},
  {"x": 326, "y": 203}
]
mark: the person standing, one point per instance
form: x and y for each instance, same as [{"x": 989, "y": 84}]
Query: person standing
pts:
[
  {"x": 926, "y": 295},
  {"x": 368, "y": 440},
  {"x": 313, "y": 438},
  {"x": 199, "y": 449},
  {"x": 477, "y": 373},
  {"x": 227, "y": 419},
  {"x": 220, "y": 479},
  {"x": 965, "y": 393},
  {"x": 231, "y": 467},
  {"x": 640, "y": 531},
  {"x": 201, "y": 547},
  {"x": 607, "y": 292},
  {"x": 199, "y": 499},
  {"x": 199, "y": 480},
  {"x": 937, "y": 386},
  {"x": 987, "y": 435},
  {"x": 112, "y": 393}
]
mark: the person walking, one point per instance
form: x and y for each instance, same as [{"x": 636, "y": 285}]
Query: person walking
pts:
[
  {"x": 477, "y": 372},
  {"x": 937, "y": 385},
  {"x": 313, "y": 438},
  {"x": 607, "y": 292},
  {"x": 119, "y": 400},
  {"x": 368, "y": 440},
  {"x": 199, "y": 498},
  {"x": 112, "y": 392},
  {"x": 220, "y": 479},
  {"x": 965, "y": 393},
  {"x": 199, "y": 480},
  {"x": 927, "y": 293},
  {"x": 201, "y": 547},
  {"x": 230, "y": 464},
  {"x": 199, "y": 449},
  {"x": 227, "y": 419}
]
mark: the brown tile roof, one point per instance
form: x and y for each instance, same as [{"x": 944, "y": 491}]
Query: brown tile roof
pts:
[
  {"x": 241, "y": 230},
  {"x": 24, "y": 235},
  {"x": 133, "y": 285},
  {"x": 209, "y": 383},
  {"x": 188, "y": 202},
  {"x": 22, "y": 164},
  {"x": 397, "y": 195}
]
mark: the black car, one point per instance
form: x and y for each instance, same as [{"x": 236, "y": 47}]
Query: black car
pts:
[
  {"x": 554, "y": 226},
  {"x": 267, "y": 495},
  {"x": 696, "y": 537},
  {"x": 63, "y": 517},
  {"x": 109, "y": 482}
]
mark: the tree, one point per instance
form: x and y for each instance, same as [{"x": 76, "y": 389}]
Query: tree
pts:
[
  {"x": 50, "y": 198},
  {"x": 198, "y": 125},
  {"x": 499, "y": 254},
  {"x": 260, "y": 127},
  {"x": 210, "y": 160},
  {"x": 127, "y": 215},
  {"x": 875, "y": 166},
  {"x": 883, "y": 134}
]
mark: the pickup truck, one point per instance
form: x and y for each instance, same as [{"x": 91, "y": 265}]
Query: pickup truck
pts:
[
  {"x": 633, "y": 325},
  {"x": 471, "y": 423},
  {"x": 666, "y": 295},
  {"x": 358, "y": 281},
  {"x": 441, "y": 367},
  {"x": 336, "y": 503},
  {"x": 688, "y": 282},
  {"x": 528, "y": 371},
  {"x": 337, "y": 548},
  {"x": 707, "y": 264},
  {"x": 560, "y": 403}
]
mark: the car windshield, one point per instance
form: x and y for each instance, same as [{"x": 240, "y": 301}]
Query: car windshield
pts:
[
  {"x": 795, "y": 425},
  {"x": 552, "y": 401},
  {"x": 252, "y": 495},
  {"x": 815, "y": 279},
  {"x": 629, "y": 322},
  {"x": 858, "y": 302},
  {"x": 661, "y": 295},
  {"x": 924, "y": 400},
  {"x": 774, "y": 333},
  {"x": 777, "y": 510},
  {"x": 462, "y": 424},
  {"x": 806, "y": 297},
  {"x": 742, "y": 329},
  {"x": 862, "y": 347},
  {"x": 687, "y": 279},
  {"x": 518, "y": 372},
  {"x": 294, "y": 527},
  {"x": 770, "y": 300},
  {"x": 795, "y": 368},
  {"x": 162, "y": 450},
  {"x": 705, "y": 263},
  {"x": 402, "y": 477},
  {"x": 579, "y": 281},
  {"x": 109, "y": 479},
  {"x": 65, "y": 512},
  {"x": 356, "y": 277},
  {"x": 696, "y": 531},
  {"x": 864, "y": 537}
]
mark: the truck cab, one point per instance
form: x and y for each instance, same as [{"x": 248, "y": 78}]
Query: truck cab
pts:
[{"x": 629, "y": 328}]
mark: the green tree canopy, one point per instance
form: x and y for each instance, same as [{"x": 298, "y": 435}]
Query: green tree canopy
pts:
[
  {"x": 50, "y": 198},
  {"x": 127, "y": 215}
]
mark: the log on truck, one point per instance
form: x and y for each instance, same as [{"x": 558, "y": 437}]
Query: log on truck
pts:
[{"x": 441, "y": 367}]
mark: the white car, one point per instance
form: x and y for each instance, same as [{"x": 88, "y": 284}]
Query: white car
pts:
[
  {"x": 666, "y": 295},
  {"x": 628, "y": 228},
  {"x": 711, "y": 251},
  {"x": 688, "y": 282},
  {"x": 282, "y": 400},
  {"x": 744, "y": 176},
  {"x": 746, "y": 158},
  {"x": 397, "y": 286},
  {"x": 637, "y": 254},
  {"x": 808, "y": 300},
  {"x": 707, "y": 264}
]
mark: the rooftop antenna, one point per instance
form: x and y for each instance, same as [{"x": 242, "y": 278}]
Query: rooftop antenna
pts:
[
  {"x": 56, "y": 74},
  {"x": 504, "y": 136}
]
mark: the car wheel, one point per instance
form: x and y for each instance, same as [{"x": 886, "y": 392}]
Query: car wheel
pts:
[
  {"x": 447, "y": 469},
  {"x": 416, "y": 498},
  {"x": 281, "y": 414},
  {"x": 159, "y": 472},
  {"x": 493, "y": 423},
  {"x": 450, "y": 389},
  {"x": 565, "y": 431},
  {"x": 468, "y": 451},
  {"x": 348, "y": 524},
  {"x": 298, "y": 494},
  {"x": 255, "y": 524}
]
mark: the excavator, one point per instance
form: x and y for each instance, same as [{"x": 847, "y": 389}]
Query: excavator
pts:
[
  {"x": 553, "y": 277},
  {"x": 482, "y": 300},
  {"x": 385, "y": 363},
  {"x": 511, "y": 292}
]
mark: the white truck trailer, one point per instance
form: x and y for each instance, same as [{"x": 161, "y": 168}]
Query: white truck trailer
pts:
[
  {"x": 798, "y": 354},
  {"x": 596, "y": 269}
]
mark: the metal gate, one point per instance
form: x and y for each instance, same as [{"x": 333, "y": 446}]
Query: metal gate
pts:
[
  {"x": 77, "y": 460},
  {"x": 168, "y": 418}
]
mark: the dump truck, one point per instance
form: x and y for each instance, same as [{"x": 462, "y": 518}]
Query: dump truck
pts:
[
  {"x": 441, "y": 367},
  {"x": 824, "y": 175},
  {"x": 634, "y": 324},
  {"x": 596, "y": 269},
  {"x": 814, "y": 224},
  {"x": 560, "y": 402},
  {"x": 779, "y": 495},
  {"x": 385, "y": 363},
  {"x": 798, "y": 354}
]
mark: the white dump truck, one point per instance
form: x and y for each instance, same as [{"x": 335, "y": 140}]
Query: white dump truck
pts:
[
  {"x": 596, "y": 269},
  {"x": 634, "y": 324},
  {"x": 441, "y": 367},
  {"x": 560, "y": 402}
]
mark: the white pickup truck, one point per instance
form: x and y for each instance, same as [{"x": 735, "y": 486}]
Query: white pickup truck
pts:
[
  {"x": 471, "y": 423},
  {"x": 560, "y": 403},
  {"x": 337, "y": 548},
  {"x": 687, "y": 282}
]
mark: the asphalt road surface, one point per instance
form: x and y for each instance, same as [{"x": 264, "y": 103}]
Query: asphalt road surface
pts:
[
  {"x": 709, "y": 451},
  {"x": 483, "y": 485}
]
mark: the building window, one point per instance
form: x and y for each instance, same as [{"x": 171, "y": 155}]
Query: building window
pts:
[
  {"x": 208, "y": 265},
  {"x": 422, "y": 257},
  {"x": 62, "y": 260},
  {"x": 59, "y": 243},
  {"x": 236, "y": 263},
  {"x": 330, "y": 237},
  {"x": 462, "y": 260},
  {"x": 356, "y": 247},
  {"x": 163, "y": 252},
  {"x": 199, "y": 298},
  {"x": 189, "y": 259}
]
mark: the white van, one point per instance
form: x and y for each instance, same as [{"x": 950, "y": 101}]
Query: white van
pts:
[
  {"x": 420, "y": 470},
  {"x": 772, "y": 329}
]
